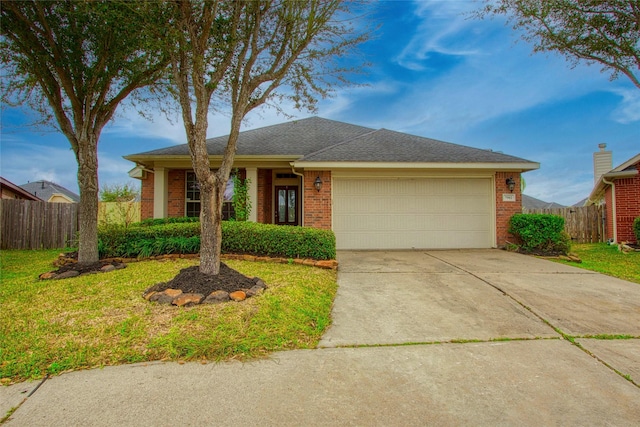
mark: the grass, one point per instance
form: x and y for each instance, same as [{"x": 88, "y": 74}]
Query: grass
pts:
[
  {"x": 52, "y": 326},
  {"x": 607, "y": 259}
]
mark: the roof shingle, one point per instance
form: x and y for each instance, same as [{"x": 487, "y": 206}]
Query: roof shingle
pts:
[{"x": 321, "y": 140}]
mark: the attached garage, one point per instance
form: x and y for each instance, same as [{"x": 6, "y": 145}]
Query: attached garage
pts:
[
  {"x": 406, "y": 213},
  {"x": 375, "y": 188}
]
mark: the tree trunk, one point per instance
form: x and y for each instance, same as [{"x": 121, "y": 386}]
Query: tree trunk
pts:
[
  {"x": 211, "y": 199},
  {"x": 87, "y": 157}
]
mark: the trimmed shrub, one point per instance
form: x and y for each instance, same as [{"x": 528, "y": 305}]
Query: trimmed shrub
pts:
[
  {"x": 636, "y": 229},
  {"x": 540, "y": 233},
  {"x": 160, "y": 221},
  {"x": 237, "y": 237},
  {"x": 277, "y": 240},
  {"x": 144, "y": 241}
]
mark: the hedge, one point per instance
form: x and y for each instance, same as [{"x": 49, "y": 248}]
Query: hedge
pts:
[
  {"x": 144, "y": 240},
  {"x": 636, "y": 229},
  {"x": 540, "y": 233}
]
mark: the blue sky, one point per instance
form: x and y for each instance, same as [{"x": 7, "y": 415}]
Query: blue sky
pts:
[{"x": 436, "y": 73}]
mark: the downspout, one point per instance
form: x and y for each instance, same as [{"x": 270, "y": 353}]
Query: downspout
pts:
[
  {"x": 293, "y": 170},
  {"x": 613, "y": 207}
]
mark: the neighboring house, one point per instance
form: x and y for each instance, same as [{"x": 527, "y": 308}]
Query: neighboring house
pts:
[
  {"x": 619, "y": 190},
  {"x": 51, "y": 192},
  {"x": 8, "y": 190},
  {"x": 529, "y": 202},
  {"x": 376, "y": 189}
]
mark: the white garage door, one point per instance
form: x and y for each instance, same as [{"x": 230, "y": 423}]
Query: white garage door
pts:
[{"x": 424, "y": 213}]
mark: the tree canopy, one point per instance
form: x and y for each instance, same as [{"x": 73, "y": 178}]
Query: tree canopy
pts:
[
  {"x": 74, "y": 62},
  {"x": 247, "y": 54},
  {"x": 596, "y": 31}
]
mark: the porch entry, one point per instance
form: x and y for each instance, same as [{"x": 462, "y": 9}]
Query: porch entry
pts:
[{"x": 286, "y": 205}]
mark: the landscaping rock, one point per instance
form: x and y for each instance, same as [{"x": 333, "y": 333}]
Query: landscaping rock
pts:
[
  {"x": 259, "y": 283},
  {"x": 48, "y": 275},
  {"x": 328, "y": 264},
  {"x": 107, "y": 268},
  {"x": 238, "y": 296},
  {"x": 255, "y": 290},
  {"x": 188, "y": 300},
  {"x": 148, "y": 295},
  {"x": 173, "y": 292},
  {"x": 216, "y": 297},
  {"x": 68, "y": 274},
  {"x": 161, "y": 298}
]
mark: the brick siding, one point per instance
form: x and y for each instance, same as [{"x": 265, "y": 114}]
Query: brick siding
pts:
[
  {"x": 177, "y": 193},
  {"x": 317, "y": 205},
  {"x": 627, "y": 206},
  {"x": 264, "y": 208},
  {"x": 146, "y": 196},
  {"x": 505, "y": 210}
]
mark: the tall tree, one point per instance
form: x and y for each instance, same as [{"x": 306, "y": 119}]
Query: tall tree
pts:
[
  {"x": 250, "y": 53},
  {"x": 596, "y": 31},
  {"x": 74, "y": 62}
]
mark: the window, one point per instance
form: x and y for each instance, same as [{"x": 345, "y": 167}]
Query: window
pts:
[{"x": 192, "y": 196}]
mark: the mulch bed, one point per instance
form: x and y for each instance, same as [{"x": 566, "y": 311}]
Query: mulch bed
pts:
[{"x": 191, "y": 280}]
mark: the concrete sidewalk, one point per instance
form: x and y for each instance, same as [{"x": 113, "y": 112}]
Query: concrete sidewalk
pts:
[
  {"x": 542, "y": 382},
  {"x": 415, "y": 304}
]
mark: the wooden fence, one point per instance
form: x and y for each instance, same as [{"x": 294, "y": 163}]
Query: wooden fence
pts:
[
  {"x": 584, "y": 224},
  {"x": 26, "y": 224}
]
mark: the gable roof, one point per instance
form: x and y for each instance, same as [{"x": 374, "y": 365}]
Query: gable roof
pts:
[
  {"x": 17, "y": 189},
  {"x": 294, "y": 139},
  {"x": 45, "y": 190},
  {"x": 529, "y": 202},
  {"x": 389, "y": 146},
  {"x": 318, "y": 140},
  {"x": 627, "y": 169}
]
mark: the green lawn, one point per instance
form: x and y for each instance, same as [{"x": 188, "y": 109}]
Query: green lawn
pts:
[
  {"x": 607, "y": 259},
  {"x": 53, "y": 326}
]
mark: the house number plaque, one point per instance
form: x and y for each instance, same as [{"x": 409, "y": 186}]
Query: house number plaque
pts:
[{"x": 508, "y": 197}]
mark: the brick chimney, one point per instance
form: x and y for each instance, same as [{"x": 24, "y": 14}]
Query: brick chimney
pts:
[{"x": 602, "y": 162}]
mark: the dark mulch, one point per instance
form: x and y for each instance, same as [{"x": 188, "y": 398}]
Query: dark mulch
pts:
[
  {"x": 190, "y": 280},
  {"x": 85, "y": 268},
  {"x": 540, "y": 253}
]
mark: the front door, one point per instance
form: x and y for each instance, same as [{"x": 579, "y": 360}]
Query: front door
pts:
[{"x": 287, "y": 205}]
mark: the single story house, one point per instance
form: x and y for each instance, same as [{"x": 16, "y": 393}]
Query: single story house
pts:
[
  {"x": 619, "y": 190},
  {"x": 9, "y": 190},
  {"x": 376, "y": 189},
  {"x": 51, "y": 192}
]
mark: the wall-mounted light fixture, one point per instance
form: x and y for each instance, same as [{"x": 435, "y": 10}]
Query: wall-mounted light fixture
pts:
[
  {"x": 510, "y": 183},
  {"x": 318, "y": 183}
]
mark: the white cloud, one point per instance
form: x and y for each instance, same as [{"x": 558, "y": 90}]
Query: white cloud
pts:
[
  {"x": 629, "y": 109},
  {"x": 496, "y": 77},
  {"x": 443, "y": 23},
  {"x": 30, "y": 162}
]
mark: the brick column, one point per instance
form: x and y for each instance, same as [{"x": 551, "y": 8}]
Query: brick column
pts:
[
  {"x": 505, "y": 208},
  {"x": 317, "y": 204},
  {"x": 176, "y": 196},
  {"x": 146, "y": 196}
]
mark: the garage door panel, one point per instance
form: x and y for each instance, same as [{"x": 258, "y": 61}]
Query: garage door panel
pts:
[{"x": 412, "y": 213}]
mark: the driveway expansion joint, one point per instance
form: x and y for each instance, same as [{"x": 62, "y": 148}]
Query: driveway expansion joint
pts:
[{"x": 571, "y": 339}]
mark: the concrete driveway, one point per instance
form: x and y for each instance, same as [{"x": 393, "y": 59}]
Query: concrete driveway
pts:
[
  {"x": 400, "y": 297},
  {"x": 419, "y": 338}
]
